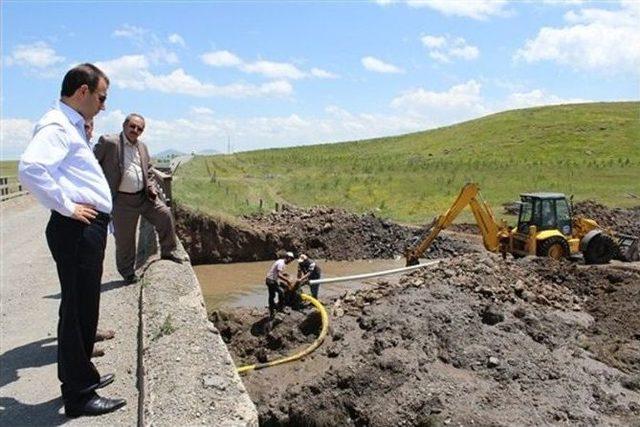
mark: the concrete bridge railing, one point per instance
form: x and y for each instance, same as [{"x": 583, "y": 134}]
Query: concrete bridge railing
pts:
[{"x": 187, "y": 376}]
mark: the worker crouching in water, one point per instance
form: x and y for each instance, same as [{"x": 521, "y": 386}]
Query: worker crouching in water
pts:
[
  {"x": 308, "y": 270},
  {"x": 275, "y": 275}
]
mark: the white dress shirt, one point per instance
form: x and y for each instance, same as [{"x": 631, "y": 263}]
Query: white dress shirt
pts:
[
  {"x": 132, "y": 180},
  {"x": 276, "y": 268},
  {"x": 59, "y": 167}
]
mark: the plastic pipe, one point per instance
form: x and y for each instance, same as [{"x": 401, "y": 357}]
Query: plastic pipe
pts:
[
  {"x": 306, "y": 351},
  {"x": 374, "y": 274}
]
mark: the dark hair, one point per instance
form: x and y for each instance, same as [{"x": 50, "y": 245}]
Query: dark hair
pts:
[{"x": 80, "y": 75}]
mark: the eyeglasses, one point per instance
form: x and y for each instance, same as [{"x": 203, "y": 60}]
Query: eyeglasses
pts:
[
  {"x": 136, "y": 127},
  {"x": 102, "y": 98}
]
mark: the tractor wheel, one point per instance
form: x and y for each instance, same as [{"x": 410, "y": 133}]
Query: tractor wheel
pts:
[
  {"x": 555, "y": 247},
  {"x": 600, "y": 250}
]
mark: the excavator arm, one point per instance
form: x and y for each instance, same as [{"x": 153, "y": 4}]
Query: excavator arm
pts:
[{"x": 469, "y": 195}]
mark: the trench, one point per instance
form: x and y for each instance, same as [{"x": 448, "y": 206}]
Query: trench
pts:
[{"x": 242, "y": 284}]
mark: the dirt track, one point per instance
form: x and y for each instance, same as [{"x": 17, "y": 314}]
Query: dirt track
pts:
[{"x": 476, "y": 340}]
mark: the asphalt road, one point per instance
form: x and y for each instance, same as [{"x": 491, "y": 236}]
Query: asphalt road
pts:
[{"x": 29, "y": 298}]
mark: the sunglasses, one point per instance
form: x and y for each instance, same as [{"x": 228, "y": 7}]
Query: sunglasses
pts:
[
  {"x": 102, "y": 98},
  {"x": 136, "y": 127}
]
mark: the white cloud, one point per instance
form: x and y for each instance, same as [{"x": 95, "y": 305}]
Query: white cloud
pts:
[
  {"x": 130, "y": 31},
  {"x": 269, "y": 69},
  {"x": 460, "y": 102},
  {"x": 594, "y": 39},
  {"x": 458, "y": 96},
  {"x": 379, "y": 66},
  {"x": 323, "y": 74},
  {"x": 537, "y": 97},
  {"x": 151, "y": 46},
  {"x": 132, "y": 72},
  {"x": 563, "y": 2},
  {"x": 434, "y": 42},
  {"x": 273, "y": 69},
  {"x": 15, "y": 135},
  {"x": 474, "y": 9},
  {"x": 221, "y": 58},
  {"x": 37, "y": 55},
  {"x": 176, "y": 39},
  {"x": 195, "y": 132},
  {"x": 446, "y": 48},
  {"x": 127, "y": 72},
  {"x": 201, "y": 110}
]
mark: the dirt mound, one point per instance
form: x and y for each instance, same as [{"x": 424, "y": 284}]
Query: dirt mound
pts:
[
  {"x": 331, "y": 233},
  {"x": 476, "y": 340},
  {"x": 625, "y": 221},
  {"x": 320, "y": 232}
]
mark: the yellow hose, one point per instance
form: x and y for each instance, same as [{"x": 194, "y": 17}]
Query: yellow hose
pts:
[{"x": 306, "y": 351}]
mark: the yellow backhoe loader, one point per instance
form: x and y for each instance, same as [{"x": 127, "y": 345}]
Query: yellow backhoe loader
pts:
[{"x": 546, "y": 227}]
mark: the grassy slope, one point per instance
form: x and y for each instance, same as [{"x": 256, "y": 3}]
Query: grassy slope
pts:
[
  {"x": 589, "y": 150},
  {"x": 9, "y": 168}
]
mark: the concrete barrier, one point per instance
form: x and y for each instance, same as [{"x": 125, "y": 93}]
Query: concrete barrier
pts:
[{"x": 187, "y": 376}]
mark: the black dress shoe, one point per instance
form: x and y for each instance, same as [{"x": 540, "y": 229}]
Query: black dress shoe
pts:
[
  {"x": 93, "y": 405},
  {"x": 105, "y": 380},
  {"x": 131, "y": 279}
]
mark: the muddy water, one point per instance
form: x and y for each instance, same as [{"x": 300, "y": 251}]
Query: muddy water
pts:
[{"x": 242, "y": 284}]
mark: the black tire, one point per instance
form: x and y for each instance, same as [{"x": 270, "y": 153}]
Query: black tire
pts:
[
  {"x": 554, "y": 247},
  {"x": 600, "y": 250}
]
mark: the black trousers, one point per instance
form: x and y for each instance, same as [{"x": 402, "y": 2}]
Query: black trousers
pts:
[
  {"x": 78, "y": 250},
  {"x": 274, "y": 288}
]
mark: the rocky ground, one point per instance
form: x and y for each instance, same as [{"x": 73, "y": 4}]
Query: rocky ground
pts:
[{"x": 476, "y": 340}]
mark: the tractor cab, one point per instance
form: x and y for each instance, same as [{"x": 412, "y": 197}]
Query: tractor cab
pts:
[{"x": 547, "y": 211}]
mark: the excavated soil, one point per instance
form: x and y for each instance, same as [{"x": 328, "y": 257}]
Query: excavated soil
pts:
[
  {"x": 626, "y": 221},
  {"x": 475, "y": 340},
  {"x": 320, "y": 232}
]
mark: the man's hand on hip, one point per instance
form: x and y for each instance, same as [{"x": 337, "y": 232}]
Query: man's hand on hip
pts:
[{"x": 84, "y": 213}]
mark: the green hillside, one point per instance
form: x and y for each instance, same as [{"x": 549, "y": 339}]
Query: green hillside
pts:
[
  {"x": 9, "y": 168},
  {"x": 589, "y": 150}
]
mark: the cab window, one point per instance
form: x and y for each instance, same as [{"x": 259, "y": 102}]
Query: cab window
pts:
[
  {"x": 548, "y": 215},
  {"x": 563, "y": 215},
  {"x": 526, "y": 215}
]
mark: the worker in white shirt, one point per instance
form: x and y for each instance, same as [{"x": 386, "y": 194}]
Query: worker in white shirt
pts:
[{"x": 275, "y": 275}]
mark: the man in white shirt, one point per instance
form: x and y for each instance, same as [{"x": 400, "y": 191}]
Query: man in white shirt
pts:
[
  {"x": 126, "y": 164},
  {"x": 59, "y": 169},
  {"x": 275, "y": 274}
]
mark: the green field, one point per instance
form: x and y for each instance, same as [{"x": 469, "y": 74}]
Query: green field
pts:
[
  {"x": 589, "y": 150},
  {"x": 9, "y": 168}
]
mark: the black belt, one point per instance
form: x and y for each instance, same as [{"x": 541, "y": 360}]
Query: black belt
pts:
[
  {"x": 132, "y": 194},
  {"x": 101, "y": 216}
]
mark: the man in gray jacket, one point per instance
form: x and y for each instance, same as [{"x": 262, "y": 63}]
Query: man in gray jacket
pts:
[{"x": 126, "y": 164}]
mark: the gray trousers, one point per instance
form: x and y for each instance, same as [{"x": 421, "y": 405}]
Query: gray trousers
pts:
[{"x": 126, "y": 212}]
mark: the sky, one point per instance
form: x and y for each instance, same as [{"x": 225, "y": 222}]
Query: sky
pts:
[{"x": 246, "y": 75}]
